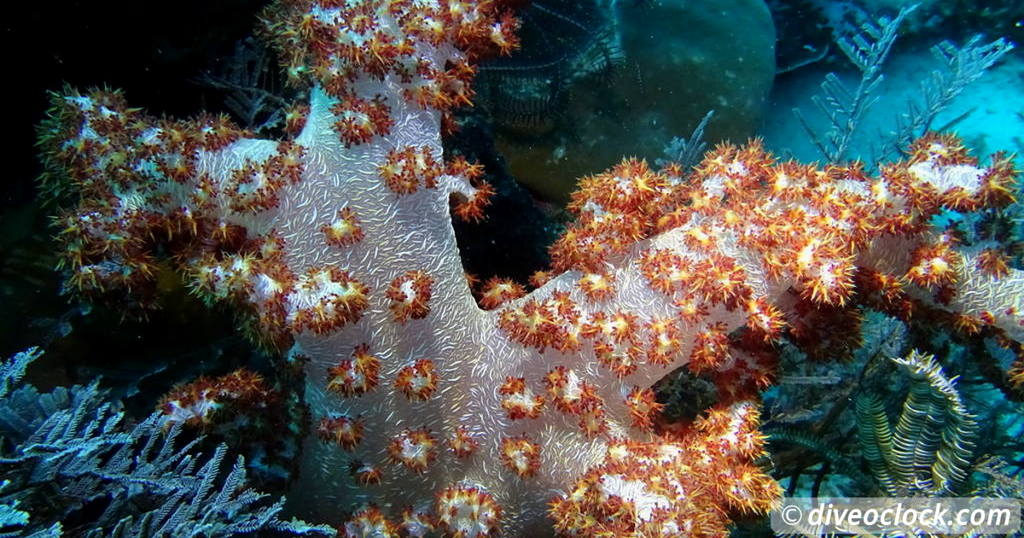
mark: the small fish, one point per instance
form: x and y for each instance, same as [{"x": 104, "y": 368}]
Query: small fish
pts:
[{"x": 810, "y": 380}]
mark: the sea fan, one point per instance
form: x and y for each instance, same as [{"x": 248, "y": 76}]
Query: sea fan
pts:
[{"x": 70, "y": 450}]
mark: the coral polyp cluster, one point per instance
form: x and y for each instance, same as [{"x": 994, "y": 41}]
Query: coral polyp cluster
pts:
[
  {"x": 205, "y": 400},
  {"x": 676, "y": 487}
]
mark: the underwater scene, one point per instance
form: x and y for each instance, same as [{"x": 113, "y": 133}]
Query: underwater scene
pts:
[{"x": 519, "y": 268}]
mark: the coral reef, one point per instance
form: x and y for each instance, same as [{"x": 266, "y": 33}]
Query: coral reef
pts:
[{"x": 432, "y": 413}]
